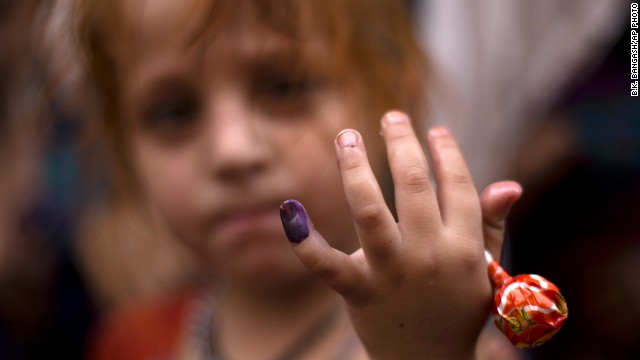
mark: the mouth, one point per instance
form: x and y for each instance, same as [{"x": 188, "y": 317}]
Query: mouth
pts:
[{"x": 249, "y": 220}]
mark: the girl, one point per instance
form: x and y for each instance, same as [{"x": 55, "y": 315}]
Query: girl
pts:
[{"x": 217, "y": 112}]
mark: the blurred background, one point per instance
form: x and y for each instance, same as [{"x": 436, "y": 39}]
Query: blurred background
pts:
[
  {"x": 537, "y": 92},
  {"x": 45, "y": 309}
]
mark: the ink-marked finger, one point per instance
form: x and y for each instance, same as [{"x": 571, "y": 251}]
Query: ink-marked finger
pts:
[
  {"x": 416, "y": 202},
  {"x": 457, "y": 196},
  {"x": 496, "y": 200},
  {"x": 374, "y": 223},
  {"x": 334, "y": 268}
]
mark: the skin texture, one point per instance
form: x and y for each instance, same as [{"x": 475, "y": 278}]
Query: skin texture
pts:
[
  {"x": 220, "y": 133},
  {"x": 423, "y": 279}
]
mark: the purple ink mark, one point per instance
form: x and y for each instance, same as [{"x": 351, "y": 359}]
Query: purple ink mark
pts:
[{"x": 294, "y": 220}]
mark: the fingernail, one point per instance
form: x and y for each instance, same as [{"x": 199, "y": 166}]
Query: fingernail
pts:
[
  {"x": 439, "y": 131},
  {"x": 294, "y": 220},
  {"x": 395, "y": 117},
  {"x": 347, "y": 138},
  {"x": 515, "y": 196}
]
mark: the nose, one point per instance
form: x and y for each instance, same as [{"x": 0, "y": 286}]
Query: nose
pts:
[{"x": 237, "y": 144}]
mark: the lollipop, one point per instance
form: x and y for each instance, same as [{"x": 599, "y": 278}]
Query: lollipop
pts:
[{"x": 528, "y": 309}]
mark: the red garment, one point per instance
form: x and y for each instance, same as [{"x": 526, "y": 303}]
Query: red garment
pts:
[{"x": 151, "y": 329}]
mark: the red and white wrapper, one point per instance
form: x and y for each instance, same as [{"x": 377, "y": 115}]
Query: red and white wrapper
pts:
[{"x": 528, "y": 309}]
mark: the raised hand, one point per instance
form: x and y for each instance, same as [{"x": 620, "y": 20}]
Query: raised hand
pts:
[{"x": 418, "y": 288}]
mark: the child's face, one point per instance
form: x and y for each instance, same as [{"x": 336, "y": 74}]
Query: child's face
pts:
[{"x": 223, "y": 129}]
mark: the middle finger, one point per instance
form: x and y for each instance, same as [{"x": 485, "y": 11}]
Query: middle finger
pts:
[{"x": 416, "y": 202}]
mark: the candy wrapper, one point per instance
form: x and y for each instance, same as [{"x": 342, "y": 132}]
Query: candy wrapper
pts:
[{"x": 528, "y": 309}]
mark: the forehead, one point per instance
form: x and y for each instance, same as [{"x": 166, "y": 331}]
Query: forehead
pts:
[
  {"x": 150, "y": 24},
  {"x": 160, "y": 34}
]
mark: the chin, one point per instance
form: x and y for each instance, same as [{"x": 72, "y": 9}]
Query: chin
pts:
[{"x": 268, "y": 270}]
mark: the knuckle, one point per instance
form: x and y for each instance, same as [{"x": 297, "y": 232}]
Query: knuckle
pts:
[
  {"x": 369, "y": 215},
  {"x": 415, "y": 179},
  {"x": 460, "y": 178}
]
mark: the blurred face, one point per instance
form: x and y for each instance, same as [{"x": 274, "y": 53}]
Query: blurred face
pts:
[{"x": 224, "y": 128}]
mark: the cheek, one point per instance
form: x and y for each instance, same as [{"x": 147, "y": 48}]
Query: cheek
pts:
[
  {"x": 170, "y": 180},
  {"x": 313, "y": 171},
  {"x": 324, "y": 199}
]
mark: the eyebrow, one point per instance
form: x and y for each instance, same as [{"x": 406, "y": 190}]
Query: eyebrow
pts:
[
  {"x": 286, "y": 53},
  {"x": 254, "y": 54}
]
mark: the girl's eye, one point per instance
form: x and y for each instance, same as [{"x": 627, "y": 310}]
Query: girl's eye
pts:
[
  {"x": 174, "y": 116},
  {"x": 288, "y": 88},
  {"x": 285, "y": 94}
]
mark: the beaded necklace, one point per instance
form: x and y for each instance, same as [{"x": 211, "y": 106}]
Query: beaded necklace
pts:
[{"x": 204, "y": 329}]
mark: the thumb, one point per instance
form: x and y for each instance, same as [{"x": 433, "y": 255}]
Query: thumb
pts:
[
  {"x": 496, "y": 200},
  {"x": 334, "y": 268}
]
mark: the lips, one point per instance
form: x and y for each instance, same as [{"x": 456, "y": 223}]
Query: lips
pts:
[{"x": 249, "y": 220}]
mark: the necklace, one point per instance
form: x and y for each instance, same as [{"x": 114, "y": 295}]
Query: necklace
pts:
[{"x": 204, "y": 328}]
